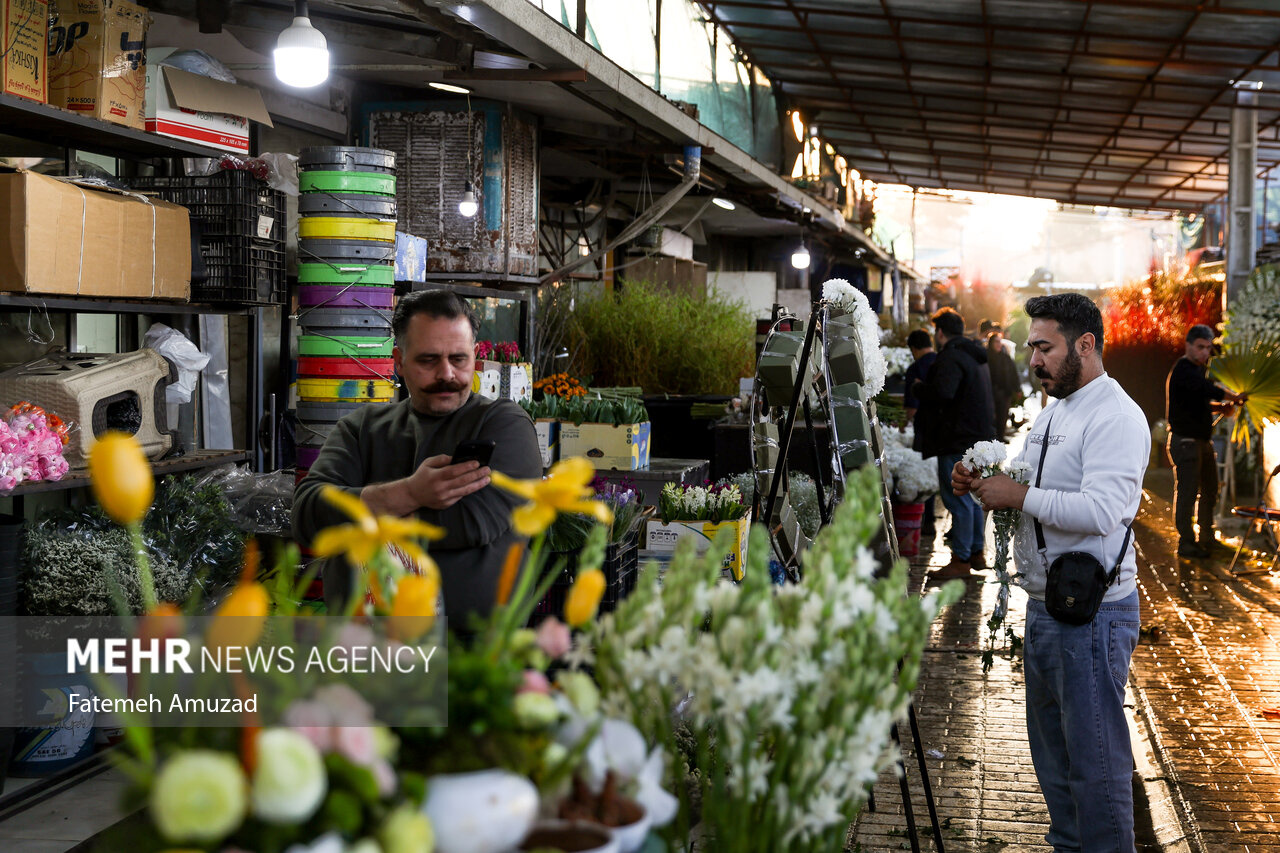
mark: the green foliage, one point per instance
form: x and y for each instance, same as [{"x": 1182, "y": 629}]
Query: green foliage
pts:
[
  {"x": 73, "y": 558},
  {"x": 595, "y": 410},
  {"x": 1254, "y": 371},
  {"x": 664, "y": 341}
]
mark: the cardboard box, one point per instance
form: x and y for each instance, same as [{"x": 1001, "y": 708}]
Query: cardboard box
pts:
[
  {"x": 23, "y": 69},
  {"x": 548, "y": 430},
  {"x": 200, "y": 109},
  {"x": 665, "y": 536},
  {"x": 61, "y": 237},
  {"x": 98, "y": 59},
  {"x": 625, "y": 447}
]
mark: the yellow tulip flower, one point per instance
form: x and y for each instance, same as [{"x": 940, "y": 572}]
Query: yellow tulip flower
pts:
[
  {"x": 240, "y": 617},
  {"x": 584, "y": 597},
  {"x": 121, "y": 477},
  {"x": 413, "y": 611},
  {"x": 564, "y": 489},
  {"x": 369, "y": 534}
]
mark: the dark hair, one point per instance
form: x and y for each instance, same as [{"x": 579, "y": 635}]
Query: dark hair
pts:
[
  {"x": 949, "y": 322},
  {"x": 919, "y": 339},
  {"x": 985, "y": 326},
  {"x": 434, "y": 303},
  {"x": 1075, "y": 313},
  {"x": 1199, "y": 332}
]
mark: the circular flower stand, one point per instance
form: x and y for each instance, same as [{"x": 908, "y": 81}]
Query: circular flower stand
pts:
[{"x": 906, "y": 523}]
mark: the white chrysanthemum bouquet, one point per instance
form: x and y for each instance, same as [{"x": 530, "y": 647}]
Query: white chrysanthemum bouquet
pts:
[
  {"x": 896, "y": 359},
  {"x": 847, "y": 298},
  {"x": 914, "y": 478},
  {"x": 986, "y": 459}
]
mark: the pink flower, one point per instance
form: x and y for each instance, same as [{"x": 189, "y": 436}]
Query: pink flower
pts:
[
  {"x": 356, "y": 744},
  {"x": 534, "y": 682},
  {"x": 553, "y": 637},
  {"x": 385, "y": 776},
  {"x": 313, "y": 721},
  {"x": 345, "y": 706}
]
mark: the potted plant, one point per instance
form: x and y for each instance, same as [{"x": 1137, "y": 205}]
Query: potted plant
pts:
[
  {"x": 610, "y": 432},
  {"x": 700, "y": 514},
  {"x": 501, "y": 372}
]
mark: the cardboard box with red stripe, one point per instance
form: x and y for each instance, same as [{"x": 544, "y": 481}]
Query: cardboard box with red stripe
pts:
[{"x": 200, "y": 109}]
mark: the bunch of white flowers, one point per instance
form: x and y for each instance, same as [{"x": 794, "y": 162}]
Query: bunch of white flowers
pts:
[
  {"x": 850, "y": 300},
  {"x": 892, "y": 437},
  {"x": 896, "y": 359},
  {"x": 914, "y": 477},
  {"x": 721, "y": 502},
  {"x": 748, "y": 685},
  {"x": 1254, "y": 314},
  {"x": 987, "y": 459}
]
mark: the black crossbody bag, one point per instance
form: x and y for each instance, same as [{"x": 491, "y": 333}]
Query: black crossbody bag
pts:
[{"x": 1077, "y": 581}]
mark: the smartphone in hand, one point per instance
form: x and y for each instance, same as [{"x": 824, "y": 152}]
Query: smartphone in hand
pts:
[{"x": 474, "y": 449}]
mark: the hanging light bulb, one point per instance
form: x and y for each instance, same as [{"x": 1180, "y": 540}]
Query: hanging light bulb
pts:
[
  {"x": 467, "y": 206},
  {"x": 800, "y": 258},
  {"x": 584, "y": 247},
  {"x": 723, "y": 202},
  {"x": 301, "y": 54}
]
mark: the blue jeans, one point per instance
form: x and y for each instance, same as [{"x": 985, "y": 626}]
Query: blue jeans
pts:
[
  {"x": 1076, "y": 723},
  {"x": 967, "y": 518}
]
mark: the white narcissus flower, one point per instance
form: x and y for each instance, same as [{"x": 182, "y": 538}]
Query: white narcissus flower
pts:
[
  {"x": 198, "y": 797},
  {"x": 289, "y": 780}
]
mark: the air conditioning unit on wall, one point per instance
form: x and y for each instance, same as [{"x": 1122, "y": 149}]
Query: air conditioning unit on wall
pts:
[{"x": 441, "y": 151}]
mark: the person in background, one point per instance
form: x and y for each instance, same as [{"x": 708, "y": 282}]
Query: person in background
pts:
[
  {"x": 1004, "y": 380},
  {"x": 920, "y": 343},
  {"x": 1190, "y": 402},
  {"x": 1087, "y": 454},
  {"x": 398, "y": 458},
  {"x": 955, "y": 413}
]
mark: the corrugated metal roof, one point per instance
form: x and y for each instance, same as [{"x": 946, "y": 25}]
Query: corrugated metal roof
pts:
[{"x": 1107, "y": 102}]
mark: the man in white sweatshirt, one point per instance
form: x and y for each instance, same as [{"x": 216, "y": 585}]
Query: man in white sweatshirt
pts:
[{"x": 1088, "y": 452}]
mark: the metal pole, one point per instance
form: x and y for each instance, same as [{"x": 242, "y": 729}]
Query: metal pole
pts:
[{"x": 1241, "y": 182}]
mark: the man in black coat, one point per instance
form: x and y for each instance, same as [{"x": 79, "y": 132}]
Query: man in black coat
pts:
[
  {"x": 956, "y": 412},
  {"x": 1191, "y": 399}
]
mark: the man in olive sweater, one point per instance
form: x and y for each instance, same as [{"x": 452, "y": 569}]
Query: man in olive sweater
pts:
[{"x": 397, "y": 458}]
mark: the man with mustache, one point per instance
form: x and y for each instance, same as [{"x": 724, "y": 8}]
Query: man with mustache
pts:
[
  {"x": 397, "y": 457},
  {"x": 1087, "y": 453},
  {"x": 1191, "y": 399}
]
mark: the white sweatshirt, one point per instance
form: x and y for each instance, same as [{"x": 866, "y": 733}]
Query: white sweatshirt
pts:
[{"x": 1092, "y": 483}]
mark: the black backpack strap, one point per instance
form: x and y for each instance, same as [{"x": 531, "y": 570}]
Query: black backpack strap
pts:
[
  {"x": 1124, "y": 549},
  {"x": 1044, "y": 449}
]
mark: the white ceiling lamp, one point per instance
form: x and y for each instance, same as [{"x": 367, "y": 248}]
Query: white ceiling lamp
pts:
[
  {"x": 467, "y": 206},
  {"x": 800, "y": 257},
  {"x": 723, "y": 202},
  {"x": 449, "y": 87},
  {"x": 301, "y": 54}
]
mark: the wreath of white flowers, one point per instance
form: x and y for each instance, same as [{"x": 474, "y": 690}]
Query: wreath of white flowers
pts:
[{"x": 866, "y": 327}]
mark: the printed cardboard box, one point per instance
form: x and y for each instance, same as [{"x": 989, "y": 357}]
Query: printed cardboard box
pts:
[
  {"x": 23, "y": 66},
  {"x": 625, "y": 446},
  {"x": 665, "y": 536},
  {"x": 98, "y": 59},
  {"x": 62, "y": 237},
  {"x": 502, "y": 381},
  {"x": 200, "y": 109},
  {"x": 548, "y": 430}
]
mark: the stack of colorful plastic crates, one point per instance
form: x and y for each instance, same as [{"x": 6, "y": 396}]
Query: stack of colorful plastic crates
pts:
[{"x": 346, "y": 287}]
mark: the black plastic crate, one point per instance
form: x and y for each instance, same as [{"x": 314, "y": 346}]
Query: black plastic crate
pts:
[
  {"x": 239, "y": 222},
  {"x": 238, "y": 270},
  {"x": 620, "y": 567},
  {"x": 230, "y": 203}
]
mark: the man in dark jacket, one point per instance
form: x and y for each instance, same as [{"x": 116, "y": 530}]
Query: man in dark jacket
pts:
[
  {"x": 1004, "y": 379},
  {"x": 1191, "y": 401},
  {"x": 955, "y": 413}
]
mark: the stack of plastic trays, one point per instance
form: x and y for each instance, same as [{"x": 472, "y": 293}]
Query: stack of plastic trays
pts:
[{"x": 346, "y": 287}]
